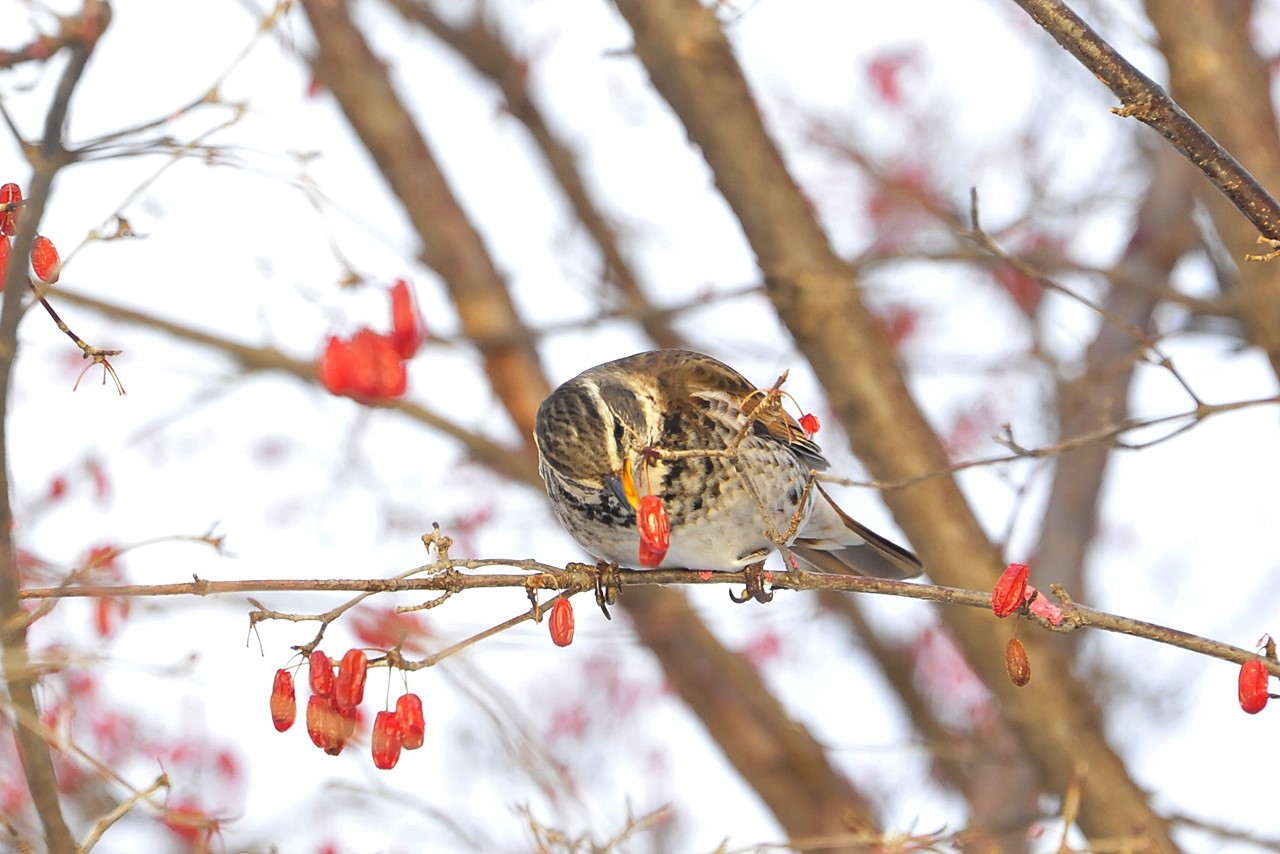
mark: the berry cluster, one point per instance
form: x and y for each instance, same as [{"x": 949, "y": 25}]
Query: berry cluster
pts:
[
  {"x": 372, "y": 364},
  {"x": 45, "y": 261},
  {"x": 332, "y": 710}
]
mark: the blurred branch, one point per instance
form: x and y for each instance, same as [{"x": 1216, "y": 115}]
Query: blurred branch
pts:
[
  {"x": 81, "y": 34},
  {"x": 681, "y": 45},
  {"x": 1163, "y": 232},
  {"x": 500, "y": 458},
  {"x": 484, "y": 48},
  {"x": 451, "y": 244}
]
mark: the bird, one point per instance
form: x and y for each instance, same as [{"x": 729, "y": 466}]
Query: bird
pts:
[{"x": 732, "y": 471}]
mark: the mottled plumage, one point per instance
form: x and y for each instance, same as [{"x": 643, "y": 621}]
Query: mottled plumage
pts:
[{"x": 727, "y": 512}]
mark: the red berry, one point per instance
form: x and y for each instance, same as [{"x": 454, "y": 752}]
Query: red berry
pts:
[
  {"x": 561, "y": 622},
  {"x": 809, "y": 424},
  {"x": 392, "y": 376},
  {"x": 325, "y": 725},
  {"x": 414, "y": 728},
  {"x": 320, "y": 674},
  {"x": 45, "y": 260},
  {"x": 4, "y": 258},
  {"x": 334, "y": 369},
  {"x": 388, "y": 738},
  {"x": 1253, "y": 686},
  {"x": 1009, "y": 590},
  {"x": 655, "y": 530},
  {"x": 9, "y": 194},
  {"x": 348, "y": 690},
  {"x": 406, "y": 323},
  {"x": 284, "y": 708}
]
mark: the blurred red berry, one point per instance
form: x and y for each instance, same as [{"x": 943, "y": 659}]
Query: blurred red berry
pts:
[
  {"x": 9, "y": 194},
  {"x": 45, "y": 260},
  {"x": 407, "y": 331},
  {"x": 1009, "y": 590},
  {"x": 4, "y": 258},
  {"x": 284, "y": 706},
  {"x": 412, "y": 725},
  {"x": 334, "y": 369},
  {"x": 348, "y": 690},
  {"x": 1253, "y": 686},
  {"x": 809, "y": 423},
  {"x": 388, "y": 738},
  {"x": 561, "y": 622},
  {"x": 655, "y": 530},
  {"x": 320, "y": 674}
]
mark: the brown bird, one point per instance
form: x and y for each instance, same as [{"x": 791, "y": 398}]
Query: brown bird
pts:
[{"x": 732, "y": 470}]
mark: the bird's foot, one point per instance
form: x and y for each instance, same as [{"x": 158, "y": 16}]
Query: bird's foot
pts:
[
  {"x": 755, "y": 578},
  {"x": 607, "y": 586}
]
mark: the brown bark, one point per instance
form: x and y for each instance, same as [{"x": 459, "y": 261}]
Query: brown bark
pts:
[
  {"x": 484, "y": 48},
  {"x": 689, "y": 60},
  {"x": 451, "y": 244}
]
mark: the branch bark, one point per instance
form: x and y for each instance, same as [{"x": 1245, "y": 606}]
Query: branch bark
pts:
[
  {"x": 690, "y": 63},
  {"x": 451, "y": 244},
  {"x": 47, "y": 159}
]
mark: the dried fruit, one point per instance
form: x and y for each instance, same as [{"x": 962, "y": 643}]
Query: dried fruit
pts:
[
  {"x": 407, "y": 332},
  {"x": 9, "y": 194},
  {"x": 45, "y": 260},
  {"x": 655, "y": 530},
  {"x": 1253, "y": 686},
  {"x": 809, "y": 423},
  {"x": 1016, "y": 663},
  {"x": 284, "y": 707},
  {"x": 320, "y": 674},
  {"x": 325, "y": 725},
  {"x": 334, "y": 368},
  {"x": 388, "y": 738},
  {"x": 1009, "y": 590},
  {"x": 348, "y": 690},
  {"x": 412, "y": 726},
  {"x": 561, "y": 622}
]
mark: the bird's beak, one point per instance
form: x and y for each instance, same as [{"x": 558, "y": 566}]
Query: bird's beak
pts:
[{"x": 623, "y": 485}]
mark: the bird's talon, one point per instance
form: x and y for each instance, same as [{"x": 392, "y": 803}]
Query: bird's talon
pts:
[
  {"x": 754, "y": 576},
  {"x": 607, "y": 587}
]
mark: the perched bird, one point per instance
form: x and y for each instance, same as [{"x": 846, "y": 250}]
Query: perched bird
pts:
[{"x": 730, "y": 467}]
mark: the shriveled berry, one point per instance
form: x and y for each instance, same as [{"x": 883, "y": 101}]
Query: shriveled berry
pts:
[
  {"x": 1009, "y": 590},
  {"x": 325, "y": 725},
  {"x": 348, "y": 690},
  {"x": 320, "y": 674},
  {"x": 412, "y": 725},
  {"x": 1016, "y": 663},
  {"x": 284, "y": 706},
  {"x": 388, "y": 739},
  {"x": 809, "y": 423}
]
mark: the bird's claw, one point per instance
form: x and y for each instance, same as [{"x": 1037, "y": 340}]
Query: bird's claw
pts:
[
  {"x": 607, "y": 587},
  {"x": 754, "y": 576}
]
